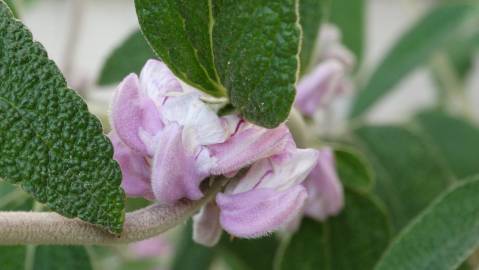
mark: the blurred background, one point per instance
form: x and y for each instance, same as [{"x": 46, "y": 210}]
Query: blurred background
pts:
[{"x": 80, "y": 34}]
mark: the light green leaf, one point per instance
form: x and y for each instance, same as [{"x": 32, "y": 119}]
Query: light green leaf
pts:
[
  {"x": 353, "y": 240},
  {"x": 349, "y": 16},
  {"x": 128, "y": 57},
  {"x": 311, "y": 15},
  {"x": 414, "y": 48},
  {"x": 409, "y": 173},
  {"x": 50, "y": 144},
  {"x": 246, "y": 49},
  {"x": 61, "y": 258},
  {"x": 11, "y": 5},
  {"x": 456, "y": 139},
  {"x": 353, "y": 169},
  {"x": 442, "y": 236}
]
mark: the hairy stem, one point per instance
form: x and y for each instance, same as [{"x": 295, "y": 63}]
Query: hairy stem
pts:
[
  {"x": 47, "y": 228},
  {"x": 299, "y": 129}
]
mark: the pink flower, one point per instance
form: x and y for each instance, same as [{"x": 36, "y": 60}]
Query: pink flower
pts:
[
  {"x": 318, "y": 88},
  {"x": 269, "y": 196},
  {"x": 325, "y": 191},
  {"x": 152, "y": 247},
  {"x": 167, "y": 140}
]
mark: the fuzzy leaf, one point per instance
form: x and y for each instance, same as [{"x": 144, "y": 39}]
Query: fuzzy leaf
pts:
[
  {"x": 311, "y": 15},
  {"x": 245, "y": 49},
  {"x": 50, "y": 144}
]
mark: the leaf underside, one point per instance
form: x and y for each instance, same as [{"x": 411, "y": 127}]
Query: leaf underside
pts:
[{"x": 50, "y": 144}]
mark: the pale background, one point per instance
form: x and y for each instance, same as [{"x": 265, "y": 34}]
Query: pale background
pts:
[{"x": 105, "y": 23}]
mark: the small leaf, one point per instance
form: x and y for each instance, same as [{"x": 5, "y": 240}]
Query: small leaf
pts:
[
  {"x": 409, "y": 173},
  {"x": 311, "y": 15},
  {"x": 354, "y": 170},
  {"x": 442, "y": 236},
  {"x": 129, "y": 57},
  {"x": 50, "y": 144},
  {"x": 353, "y": 240},
  {"x": 190, "y": 255},
  {"x": 249, "y": 254},
  {"x": 349, "y": 16},
  {"x": 61, "y": 258},
  {"x": 246, "y": 49},
  {"x": 456, "y": 139},
  {"x": 431, "y": 33}
]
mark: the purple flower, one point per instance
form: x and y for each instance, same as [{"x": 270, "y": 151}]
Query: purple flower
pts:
[
  {"x": 167, "y": 140},
  {"x": 268, "y": 197}
]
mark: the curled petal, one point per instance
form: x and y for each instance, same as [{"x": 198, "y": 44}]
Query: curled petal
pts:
[
  {"x": 249, "y": 144},
  {"x": 134, "y": 168},
  {"x": 206, "y": 225},
  {"x": 131, "y": 114},
  {"x": 318, "y": 87},
  {"x": 325, "y": 192},
  {"x": 174, "y": 173},
  {"x": 157, "y": 81},
  {"x": 259, "y": 211}
]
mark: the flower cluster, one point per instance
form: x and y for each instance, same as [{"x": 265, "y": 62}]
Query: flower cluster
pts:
[{"x": 168, "y": 141}]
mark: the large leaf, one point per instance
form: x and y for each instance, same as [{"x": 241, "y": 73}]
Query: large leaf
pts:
[
  {"x": 248, "y": 254},
  {"x": 61, "y": 258},
  {"x": 353, "y": 240},
  {"x": 311, "y": 15},
  {"x": 247, "y": 49},
  {"x": 409, "y": 174},
  {"x": 415, "y": 47},
  {"x": 190, "y": 255},
  {"x": 455, "y": 138},
  {"x": 50, "y": 144},
  {"x": 128, "y": 57},
  {"x": 349, "y": 16},
  {"x": 441, "y": 237}
]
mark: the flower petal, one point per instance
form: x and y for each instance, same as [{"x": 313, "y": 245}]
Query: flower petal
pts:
[
  {"x": 325, "y": 192},
  {"x": 131, "y": 114},
  {"x": 318, "y": 87},
  {"x": 206, "y": 225},
  {"x": 134, "y": 168},
  {"x": 259, "y": 211},
  {"x": 175, "y": 174},
  {"x": 157, "y": 81},
  {"x": 249, "y": 144}
]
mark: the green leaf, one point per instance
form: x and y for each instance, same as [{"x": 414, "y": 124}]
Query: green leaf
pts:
[
  {"x": 249, "y": 254},
  {"x": 353, "y": 240},
  {"x": 190, "y": 255},
  {"x": 50, "y": 144},
  {"x": 442, "y": 236},
  {"x": 349, "y": 16},
  {"x": 246, "y": 49},
  {"x": 311, "y": 15},
  {"x": 455, "y": 138},
  {"x": 128, "y": 57},
  {"x": 11, "y": 5},
  {"x": 354, "y": 170},
  {"x": 415, "y": 47},
  {"x": 409, "y": 174},
  {"x": 61, "y": 258}
]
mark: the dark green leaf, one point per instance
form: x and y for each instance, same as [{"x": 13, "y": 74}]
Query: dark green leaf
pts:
[
  {"x": 311, "y": 15},
  {"x": 409, "y": 174},
  {"x": 249, "y": 254},
  {"x": 349, "y": 16},
  {"x": 129, "y": 57},
  {"x": 61, "y": 258},
  {"x": 442, "y": 236},
  {"x": 11, "y": 5},
  {"x": 415, "y": 47},
  {"x": 455, "y": 138},
  {"x": 353, "y": 170},
  {"x": 50, "y": 144},
  {"x": 190, "y": 255},
  {"x": 246, "y": 48},
  {"x": 353, "y": 240}
]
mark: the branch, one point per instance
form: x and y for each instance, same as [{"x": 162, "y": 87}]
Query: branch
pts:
[
  {"x": 48, "y": 228},
  {"x": 299, "y": 129}
]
